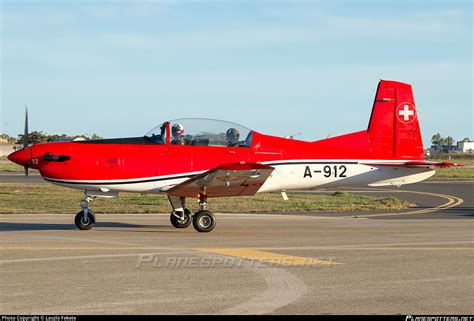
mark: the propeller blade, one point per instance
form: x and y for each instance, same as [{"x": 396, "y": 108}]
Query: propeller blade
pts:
[
  {"x": 25, "y": 145},
  {"x": 26, "y": 178},
  {"x": 25, "y": 133}
]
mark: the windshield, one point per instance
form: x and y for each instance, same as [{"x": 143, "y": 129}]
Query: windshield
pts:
[
  {"x": 203, "y": 132},
  {"x": 158, "y": 134}
]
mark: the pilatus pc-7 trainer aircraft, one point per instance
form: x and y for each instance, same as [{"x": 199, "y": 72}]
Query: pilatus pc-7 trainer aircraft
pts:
[{"x": 204, "y": 158}]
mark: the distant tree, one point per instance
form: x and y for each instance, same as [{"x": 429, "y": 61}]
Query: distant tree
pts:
[
  {"x": 449, "y": 141},
  {"x": 52, "y": 138},
  {"x": 465, "y": 139},
  {"x": 40, "y": 137},
  {"x": 437, "y": 139},
  {"x": 33, "y": 138},
  {"x": 8, "y": 138}
]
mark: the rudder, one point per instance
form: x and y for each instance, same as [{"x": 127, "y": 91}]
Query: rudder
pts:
[{"x": 394, "y": 131}]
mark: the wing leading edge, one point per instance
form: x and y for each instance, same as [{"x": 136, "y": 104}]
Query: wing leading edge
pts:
[{"x": 234, "y": 179}]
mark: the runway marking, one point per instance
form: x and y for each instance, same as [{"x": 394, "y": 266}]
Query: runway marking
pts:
[
  {"x": 260, "y": 249},
  {"x": 268, "y": 257},
  {"x": 84, "y": 248},
  {"x": 311, "y": 261},
  {"x": 424, "y": 245},
  {"x": 81, "y": 240},
  {"x": 452, "y": 202},
  {"x": 447, "y": 182},
  {"x": 374, "y": 248},
  {"x": 79, "y": 257}
]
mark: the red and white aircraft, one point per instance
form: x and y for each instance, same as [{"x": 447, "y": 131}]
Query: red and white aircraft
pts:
[{"x": 207, "y": 158}]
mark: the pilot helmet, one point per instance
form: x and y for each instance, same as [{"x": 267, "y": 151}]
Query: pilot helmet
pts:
[
  {"x": 177, "y": 129},
  {"x": 233, "y": 134}
]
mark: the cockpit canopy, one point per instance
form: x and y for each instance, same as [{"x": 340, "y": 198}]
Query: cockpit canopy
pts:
[{"x": 201, "y": 132}]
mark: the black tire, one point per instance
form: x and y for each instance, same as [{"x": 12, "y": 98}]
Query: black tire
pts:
[
  {"x": 204, "y": 221},
  {"x": 176, "y": 222},
  {"x": 84, "y": 224}
]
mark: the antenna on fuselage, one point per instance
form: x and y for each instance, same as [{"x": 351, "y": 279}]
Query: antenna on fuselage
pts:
[{"x": 292, "y": 136}]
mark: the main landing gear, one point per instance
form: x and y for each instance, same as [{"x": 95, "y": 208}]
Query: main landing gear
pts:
[
  {"x": 85, "y": 219},
  {"x": 203, "y": 220}
]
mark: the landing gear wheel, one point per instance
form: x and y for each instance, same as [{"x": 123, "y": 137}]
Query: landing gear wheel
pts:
[
  {"x": 204, "y": 221},
  {"x": 181, "y": 223},
  {"x": 84, "y": 223}
]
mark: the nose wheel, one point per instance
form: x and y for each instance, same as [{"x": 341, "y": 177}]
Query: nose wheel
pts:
[{"x": 85, "y": 221}]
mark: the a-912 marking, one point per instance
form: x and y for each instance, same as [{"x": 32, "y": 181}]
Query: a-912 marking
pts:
[{"x": 328, "y": 171}]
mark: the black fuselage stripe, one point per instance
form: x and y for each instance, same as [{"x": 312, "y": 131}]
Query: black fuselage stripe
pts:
[
  {"x": 309, "y": 163},
  {"x": 116, "y": 183},
  {"x": 172, "y": 177}
]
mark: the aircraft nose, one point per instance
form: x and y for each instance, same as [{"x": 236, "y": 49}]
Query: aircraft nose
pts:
[{"x": 21, "y": 157}]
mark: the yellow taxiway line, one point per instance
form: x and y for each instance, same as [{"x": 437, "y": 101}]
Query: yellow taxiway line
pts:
[
  {"x": 268, "y": 257},
  {"x": 453, "y": 201}
]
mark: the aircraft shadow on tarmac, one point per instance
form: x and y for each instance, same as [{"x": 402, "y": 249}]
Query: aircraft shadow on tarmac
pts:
[
  {"x": 459, "y": 211},
  {"x": 15, "y": 226}
]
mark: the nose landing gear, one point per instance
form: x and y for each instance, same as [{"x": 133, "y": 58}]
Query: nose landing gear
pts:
[{"x": 85, "y": 219}]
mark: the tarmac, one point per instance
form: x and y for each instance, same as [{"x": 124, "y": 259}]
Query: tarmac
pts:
[{"x": 417, "y": 261}]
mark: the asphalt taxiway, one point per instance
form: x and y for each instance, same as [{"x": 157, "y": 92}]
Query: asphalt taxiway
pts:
[
  {"x": 19, "y": 178},
  {"x": 417, "y": 261}
]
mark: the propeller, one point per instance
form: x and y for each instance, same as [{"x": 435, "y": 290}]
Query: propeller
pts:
[{"x": 25, "y": 145}]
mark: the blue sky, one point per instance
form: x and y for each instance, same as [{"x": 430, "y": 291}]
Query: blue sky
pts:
[{"x": 118, "y": 68}]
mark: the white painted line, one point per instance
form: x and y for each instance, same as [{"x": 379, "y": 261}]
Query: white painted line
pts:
[{"x": 80, "y": 257}]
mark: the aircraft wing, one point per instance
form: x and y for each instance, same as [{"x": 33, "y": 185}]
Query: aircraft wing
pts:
[
  {"x": 415, "y": 164},
  {"x": 234, "y": 179}
]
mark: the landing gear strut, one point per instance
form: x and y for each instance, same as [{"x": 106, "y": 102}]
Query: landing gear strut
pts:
[
  {"x": 181, "y": 217},
  {"x": 203, "y": 220},
  {"x": 85, "y": 219}
]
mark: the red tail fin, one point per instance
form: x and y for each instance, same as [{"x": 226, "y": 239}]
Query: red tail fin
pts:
[{"x": 393, "y": 130}]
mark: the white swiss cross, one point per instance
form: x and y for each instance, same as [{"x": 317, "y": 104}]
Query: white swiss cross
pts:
[{"x": 406, "y": 112}]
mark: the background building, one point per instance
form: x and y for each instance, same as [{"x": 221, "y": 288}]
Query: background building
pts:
[{"x": 466, "y": 147}]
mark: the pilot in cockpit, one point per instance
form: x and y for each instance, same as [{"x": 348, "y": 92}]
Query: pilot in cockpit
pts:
[
  {"x": 177, "y": 134},
  {"x": 232, "y": 136}
]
